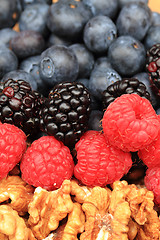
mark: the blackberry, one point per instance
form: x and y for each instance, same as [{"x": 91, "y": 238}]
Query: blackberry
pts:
[
  {"x": 66, "y": 112},
  {"x": 125, "y": 86},
  {"x": 19, "y": 105},
  {"x": 153, "y": 67}
]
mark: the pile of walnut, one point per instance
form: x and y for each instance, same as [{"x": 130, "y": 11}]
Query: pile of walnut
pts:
[{"x": 76, "y": 212}]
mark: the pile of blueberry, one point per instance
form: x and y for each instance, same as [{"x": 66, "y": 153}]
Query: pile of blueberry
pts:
[{"x": 96, "y": 43}]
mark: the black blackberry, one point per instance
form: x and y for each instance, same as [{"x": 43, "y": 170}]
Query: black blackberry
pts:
[
  {"x": 66, "y": 112},
  {"x": 124, "y": 86},
  {"x": 153, "y": 67},
  {"x": 19, "y": 105}
]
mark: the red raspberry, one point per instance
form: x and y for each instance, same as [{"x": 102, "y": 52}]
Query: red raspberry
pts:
[
  {"x": 130, "y": 122},
  {"x": 12, "y": 147},
  {"x": 99, "y": 163},
  {"x": 46, "y": 163},
  {"x": 150, "y": 154},
  {"x": 152, "y": 182}
]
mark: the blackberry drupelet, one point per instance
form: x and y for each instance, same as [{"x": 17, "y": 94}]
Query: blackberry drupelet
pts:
[
  {"x": 153, "y": 67},
  {"x": 66, "y": 112},
  {"x": 125, "y": 86},
  {"x": 19, "y": 105}
]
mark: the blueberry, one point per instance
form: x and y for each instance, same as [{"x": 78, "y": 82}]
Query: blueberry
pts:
[
  {"x": 158, "y": 111},
  {"x": 95, "y": 120},
  {"x": 144, "y": 78},
  {"x": 124, "y": 2},
  {"x": 127, "y": 55},
  {"x": 8, "y": 61},
  {"x": 134, "y": 19},
  {"x": 56, "y": 40},
  {"x": 99, "y": 33},
  {"x": 84, "y": 81},
  {"x": 34, "y": 18},
  {"x": 85, "y": 59},
  {"x": 102, "y": 62},
  {"x": 155, "y": 18},
  {"x": 27, "y": 43},
  {"x": 25, "y": 3},
  {"x": 58, "y": 64},
  {"x": 103, "y": 7},
  {"x": 20, "y": 74},
  {"x": 31, "y": 66},
  {"x": 100, "y": 79},
  {"x": 95, "y": 103},
  {"x": 9, "y": 12},
  {"x": 6, "y": 34},
  {"x": 152, "y": 37},
  {"x": 67, "y": 18}
]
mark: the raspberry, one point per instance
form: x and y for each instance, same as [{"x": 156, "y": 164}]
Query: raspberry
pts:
[
  {"x": 130, "y": 123},
  {"x": 152, "y": 182},
  {"x": 12, "y": 147},
  {"x": 150, "y": 154},
  {"x": 46, "y": 163},
  {"x": 99, "y": 163}
]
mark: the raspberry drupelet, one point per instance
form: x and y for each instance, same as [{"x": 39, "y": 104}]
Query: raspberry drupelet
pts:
[
  {"x": 130, "y": 123},
  {"x": 99, "y": 163},
  {"x": 47, "y": 163},
  {"x": 150, "y": 154},
  {"x": 12, "y": 147},
  {"x": 152, "y": 182}
]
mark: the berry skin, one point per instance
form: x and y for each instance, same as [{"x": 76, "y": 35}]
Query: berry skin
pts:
[
  {"x": 34, "y": 18},
  {"x": 19, "y": 105},
  {"x": 103, "y": 7},
  {"x": 27, "y": 43},
  {"x": 99, "y": 32},
  {"x": 65, "y": 112},
  {"x": 67, "y": 18},
  {"x": 152, "y": 182},
  {"x": 9, "y": 13},
  {"x": 127, "y": 55},
  {"x": 152, "y": 37},
  {"x": 8, "y": 61},
  {"x": 144, "y": 78},
  {"x": 57, "y": 64},
  {"x": 6, "y": 34},
  {"x": 99, "y": 163},
  {"x": 155, "y": 18},
  {"x": 153, "y": 67},
  {"x": 125, "y": 86},
  {"x": 12, "y": 147},
  {"x": 46, "y": 163},
  {"x": 26, "y": 3},
  {"x": 122, "y": 3},
  {"x": 95, "y": 120},
  {"x": 102, "y": 63},
  {"x": 130, "y": 122},
  {"x": 21, "y": 74},
  {"x": 85, "y": 59},
  {"x": 100, "y": 79},
  {"x": 134, "y": 19},
  {"x": 150, "y": 154},
  {"x": 30, "y": 67}
]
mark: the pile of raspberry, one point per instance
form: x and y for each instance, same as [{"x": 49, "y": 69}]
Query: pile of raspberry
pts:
[{"x": 130, "y": 124}]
